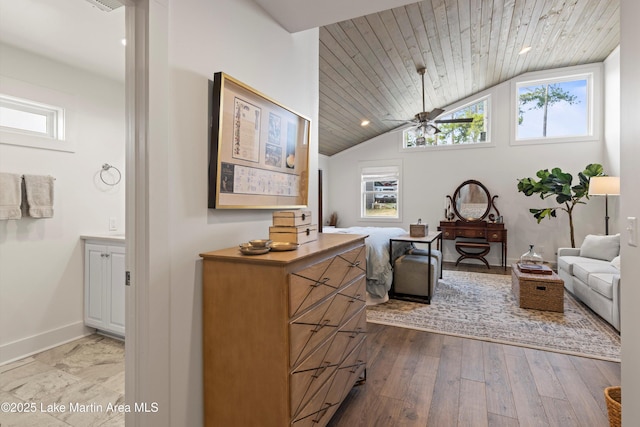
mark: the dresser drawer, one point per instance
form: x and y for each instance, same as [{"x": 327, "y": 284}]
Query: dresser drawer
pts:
[
  {"x": 351, "y": 333},
  {"x": 448, "y": 234},
  {"x": 312, "y": 284},
  {"x": 471, "y": 232},
  {"x": 321, "y": 407},
  {"x": 317, "y": 412},
  {"x": 322, "y": 363},
  {"x": 495, "y": 235},
  {"x": 311, "y": 374},
  {"x": 311, "y": 328},
  {"x": 348, "y": 373}
]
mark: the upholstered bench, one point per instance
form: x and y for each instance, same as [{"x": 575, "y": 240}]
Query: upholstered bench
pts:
[
  {"x": 410, "y": 275},
  {"x": 424, "y": 252}
]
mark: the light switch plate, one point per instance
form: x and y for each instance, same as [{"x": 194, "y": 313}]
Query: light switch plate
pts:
[
  {"x": 632, "y": 230},
  {"x": 113, "y": 224}
]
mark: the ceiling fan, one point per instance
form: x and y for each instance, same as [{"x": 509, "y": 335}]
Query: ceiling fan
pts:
[{"x": 426, "y": 120}]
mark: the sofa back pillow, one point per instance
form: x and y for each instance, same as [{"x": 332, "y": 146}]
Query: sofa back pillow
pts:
[{"x": 600, "y": 247}]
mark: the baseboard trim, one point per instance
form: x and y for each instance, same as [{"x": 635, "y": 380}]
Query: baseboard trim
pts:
[{"x": 28, "y": 346}]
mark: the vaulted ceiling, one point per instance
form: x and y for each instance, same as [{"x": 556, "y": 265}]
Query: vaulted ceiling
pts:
[{"x": 368, "y": 64}]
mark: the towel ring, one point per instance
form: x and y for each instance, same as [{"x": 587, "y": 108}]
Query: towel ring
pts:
[{"x": 105, "y": 168}]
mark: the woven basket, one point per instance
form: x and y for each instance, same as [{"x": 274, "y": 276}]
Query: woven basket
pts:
[{"x": 613, "y": 396}]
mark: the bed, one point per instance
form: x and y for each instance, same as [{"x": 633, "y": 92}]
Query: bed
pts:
[{"x": 379, "y": 272}]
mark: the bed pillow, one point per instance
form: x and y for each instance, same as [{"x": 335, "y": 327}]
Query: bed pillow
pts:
[
  {"x": 616, "y": 262},
  {"x": 600, "y": 247}
]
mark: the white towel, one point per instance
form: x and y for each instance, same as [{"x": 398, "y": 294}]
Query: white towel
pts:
[
  {"x": 39, "y": 191},
  {"x": 10, "y": 196}
]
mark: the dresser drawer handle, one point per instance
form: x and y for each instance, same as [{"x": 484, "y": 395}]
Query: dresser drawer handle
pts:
[
  {"x": 355, "y": 298},
  {"x": 322, "y": 412},
  {"x": 355, "y": 333},
  {"x": 320, "y": 370},
  {"x": 356, "y": 366},
  {"x": 320, "y": 325},
  {"x": 323, "y": 281},
  {"x": 355, "y": 264}
]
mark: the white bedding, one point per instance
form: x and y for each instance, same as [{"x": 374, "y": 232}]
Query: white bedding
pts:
[{"x": 379, "y": 272}]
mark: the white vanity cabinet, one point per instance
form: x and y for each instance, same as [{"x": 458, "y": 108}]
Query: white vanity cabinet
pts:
[{"x": 104, "y": 284}]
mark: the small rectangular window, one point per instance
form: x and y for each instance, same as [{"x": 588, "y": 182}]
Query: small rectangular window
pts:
[
  {"x": 380, "y": 195},
  {"x": 31, "y": 118}
]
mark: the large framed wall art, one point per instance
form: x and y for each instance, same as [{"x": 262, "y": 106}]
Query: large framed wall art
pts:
[{"x": 259, "y": 151}]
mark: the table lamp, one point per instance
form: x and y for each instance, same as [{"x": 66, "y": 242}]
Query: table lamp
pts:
[{"x": 605, "y": 186}]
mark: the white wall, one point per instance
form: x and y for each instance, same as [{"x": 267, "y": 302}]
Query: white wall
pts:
[
  {"x": 612, "y": 113},
  {"x": 323, "y": 164},
  {"x": 204, "y": 37},
  {"x": 41, "y": 290},
  {"x": 430, "y": 175},
  {"x": 611, "y": 160},
  {"x": 630, "y": 207}
]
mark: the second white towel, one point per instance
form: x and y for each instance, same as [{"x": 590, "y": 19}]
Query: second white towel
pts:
[{"x": 39, "y": 189}]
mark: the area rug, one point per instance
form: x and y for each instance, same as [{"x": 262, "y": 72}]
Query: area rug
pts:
[{"x": 481, "y": 306}]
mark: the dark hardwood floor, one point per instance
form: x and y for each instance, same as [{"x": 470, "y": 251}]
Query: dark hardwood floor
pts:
[{"x": 417, "y": 378}]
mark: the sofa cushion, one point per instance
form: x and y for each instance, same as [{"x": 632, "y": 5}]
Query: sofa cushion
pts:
[
  {"x": 602, "y": 283},
  {"x": 582, "y": 270},
  {"x": 600, "y": 247},
  {"x": 616, "y": 262},
  {"x": 566, "y": 263}
]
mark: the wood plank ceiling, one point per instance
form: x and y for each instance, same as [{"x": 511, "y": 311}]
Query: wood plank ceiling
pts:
[{"x": 368, "y": 64}]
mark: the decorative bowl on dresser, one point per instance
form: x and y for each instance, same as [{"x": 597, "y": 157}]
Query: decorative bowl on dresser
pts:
[{"x": 283, "y": 333}]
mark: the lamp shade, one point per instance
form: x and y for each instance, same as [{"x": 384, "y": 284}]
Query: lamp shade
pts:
[{"x": 604, "y": 185}]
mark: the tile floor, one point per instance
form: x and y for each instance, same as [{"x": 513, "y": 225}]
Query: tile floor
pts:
[{"x": 70, "y": 385}]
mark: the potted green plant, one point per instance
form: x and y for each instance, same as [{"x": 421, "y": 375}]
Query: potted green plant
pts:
[{"x": 559, "y": 184}]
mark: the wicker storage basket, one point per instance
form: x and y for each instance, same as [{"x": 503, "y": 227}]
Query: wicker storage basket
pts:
[{"x": 613, "y": 396}]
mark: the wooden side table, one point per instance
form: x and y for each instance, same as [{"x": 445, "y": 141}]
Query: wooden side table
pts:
[{"x": 537, "y": 291}]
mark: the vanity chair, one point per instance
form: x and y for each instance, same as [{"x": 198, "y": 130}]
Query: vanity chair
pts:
[{"x": 474, "y": 222}]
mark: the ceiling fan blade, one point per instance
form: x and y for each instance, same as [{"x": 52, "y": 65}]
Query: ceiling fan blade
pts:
[
  {"x": 434, "y": 113},
  {"x": 396, "y": 120},
  {"x": 463, "y": 120}
]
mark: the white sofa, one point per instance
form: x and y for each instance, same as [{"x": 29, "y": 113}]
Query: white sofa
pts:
[{"x": 592, "y": 274}]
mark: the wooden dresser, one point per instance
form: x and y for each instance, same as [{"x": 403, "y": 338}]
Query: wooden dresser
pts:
[{"x": 283, "y": 333}]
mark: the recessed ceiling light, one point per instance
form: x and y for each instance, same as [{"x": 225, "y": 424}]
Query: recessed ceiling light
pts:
[
  {"x": 124, "y": 42},
  {"x": 525, "y": 50},
  {"x": 364, "y": 122}
]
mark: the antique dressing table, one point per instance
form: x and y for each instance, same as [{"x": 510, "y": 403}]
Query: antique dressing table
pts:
[{"x": 474, "y": 222}]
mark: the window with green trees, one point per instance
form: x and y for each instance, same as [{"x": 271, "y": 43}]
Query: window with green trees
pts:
[{"x": 476, "y": 132}]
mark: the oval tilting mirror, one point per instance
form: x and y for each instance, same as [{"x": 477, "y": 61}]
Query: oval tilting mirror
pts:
[{"x": 471, "y": 201}]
